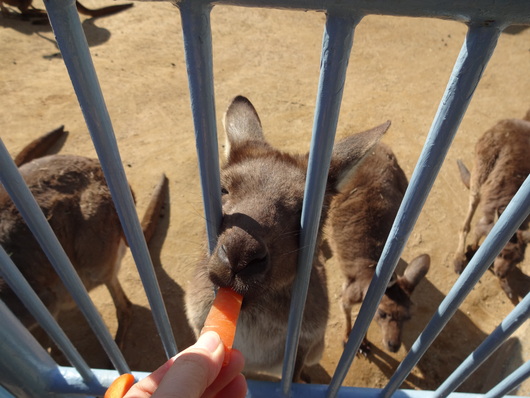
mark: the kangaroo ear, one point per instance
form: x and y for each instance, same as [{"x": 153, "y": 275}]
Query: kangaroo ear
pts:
[
  {"x": 349, "y": 152},
  {"x": 241, "y": 123},
  {"x": 415, "y": 272},
  {"x": 465, "y": 175}
]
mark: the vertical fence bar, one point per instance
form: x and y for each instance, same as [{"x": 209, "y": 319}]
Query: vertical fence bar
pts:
[
  {"x": 29, "y": 298},
  {"x": 509, "y": 325},
  {"x": 29, "y": 209},
  {"x": 195, "y": 15},
  {"x": 336, "y": 48},
  {"x": 74, "y": 49},
  {"x": 476, "y": 52},
  {"x": 26, "y": 373},
  {"x": 516, "y": 212},
  {"x": 5, "y": 394}
]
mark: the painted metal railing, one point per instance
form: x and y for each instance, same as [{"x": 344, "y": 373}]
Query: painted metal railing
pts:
[{"x": 26, "y": 370}]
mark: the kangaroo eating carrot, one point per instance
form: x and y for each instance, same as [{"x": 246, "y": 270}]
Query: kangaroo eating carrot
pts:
[{"x": 258, "y": 242}]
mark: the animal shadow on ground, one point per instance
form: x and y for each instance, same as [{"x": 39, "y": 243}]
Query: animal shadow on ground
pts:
[
  {"x": 143, "y": 349},
  {"x": 452, "y": 346},
  {"x": 444, "y": 351},
  {"x": 142, "y": 346},
  {"x": 454, "y": 343},
  {"x": 95, "y": 35},
  {"x": 519, "y": 282},
  {"x": 508, "y": 359}
]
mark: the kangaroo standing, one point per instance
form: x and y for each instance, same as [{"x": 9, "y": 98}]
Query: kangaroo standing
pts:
[
  {"x": 501, "y": 165},
  {"x": 258, "y": 242},
  {"x": 361, "y": 218},
  {"x": 74, "y": 197}
]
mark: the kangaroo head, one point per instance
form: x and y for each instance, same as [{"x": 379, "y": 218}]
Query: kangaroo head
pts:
[
  {"x": 395, "y": 306},
  {"x": 511, "y": 254},
  {"x": 262, "y": 195}
]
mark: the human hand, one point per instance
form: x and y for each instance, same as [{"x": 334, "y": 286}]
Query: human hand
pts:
[{"x": 196, "y": 372}]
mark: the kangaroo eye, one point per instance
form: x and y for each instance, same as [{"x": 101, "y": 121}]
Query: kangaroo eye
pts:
[
  {"x": 224, "y": 191},
  {"x": 382, "y": 314}
]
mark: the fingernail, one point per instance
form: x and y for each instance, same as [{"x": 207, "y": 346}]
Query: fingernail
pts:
[{"x": 209, "y": 341}]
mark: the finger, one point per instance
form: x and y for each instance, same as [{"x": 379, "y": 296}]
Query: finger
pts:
[
  {"x": 194, "y": 369},
  {"x": 227, "y": 374},
  {"x": 206, "y": 353},
  {"x": 237, "y": 388},
  {"x": 148, "y": 385}
]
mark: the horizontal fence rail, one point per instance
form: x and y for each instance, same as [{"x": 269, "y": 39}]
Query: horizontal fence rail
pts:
[{"x": 32, "y": 372}]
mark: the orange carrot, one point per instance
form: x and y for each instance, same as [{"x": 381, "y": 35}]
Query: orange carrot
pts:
[
  {"x": 223, "y": 318},
  {"x": 120, "y": 386}
]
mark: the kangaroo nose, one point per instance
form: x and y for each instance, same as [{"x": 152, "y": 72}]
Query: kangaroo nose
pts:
[
  {"x": 250, "y": 263},
  {"x": 242, "y": 253},
  {"x": 393, "y": 346}
]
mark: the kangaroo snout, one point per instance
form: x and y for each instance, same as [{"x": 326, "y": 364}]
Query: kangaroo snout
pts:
[
  {"x": 392, "y": 345},
  {"x": 241, "y": 259}
]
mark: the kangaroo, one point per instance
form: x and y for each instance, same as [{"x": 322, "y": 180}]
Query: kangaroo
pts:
[
  {"x": 360, "y": 219},
  {"x": 72, "y": 193},
  {"x": 27, "y": 9},
  {"x": 258, "y": 242},
  {"x": 501, "y": 165}
]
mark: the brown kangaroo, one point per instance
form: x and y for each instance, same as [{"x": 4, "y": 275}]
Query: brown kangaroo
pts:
[
  {"x": 361, "y": 218},
  {"x": 501, "y": 165},
  {"x": 26, "y": 8},
  {"x": 258, "y": 242},
  {"x": 72, "y": 193}
]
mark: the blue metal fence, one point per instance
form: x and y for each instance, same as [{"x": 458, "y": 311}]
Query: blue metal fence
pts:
[{"x": 31, "y": 372}]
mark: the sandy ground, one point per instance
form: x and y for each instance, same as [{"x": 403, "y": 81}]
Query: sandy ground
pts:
[{"x": 398, "y": 70}]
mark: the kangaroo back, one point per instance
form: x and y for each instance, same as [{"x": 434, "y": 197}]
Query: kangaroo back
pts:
[
  {"x": 75, "y": 199},
  {"x": 365, "y": 210},
  {"x": 73, "y": 195}
]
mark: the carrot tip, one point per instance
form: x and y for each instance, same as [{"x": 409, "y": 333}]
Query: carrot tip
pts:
[{"x": 120, "y": 386}]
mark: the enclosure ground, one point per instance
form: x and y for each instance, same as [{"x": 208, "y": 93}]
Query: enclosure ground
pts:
[{"x": 398, "y": 71}]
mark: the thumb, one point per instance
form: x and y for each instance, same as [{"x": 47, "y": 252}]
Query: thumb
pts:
[{"x": 194, "y": 369}]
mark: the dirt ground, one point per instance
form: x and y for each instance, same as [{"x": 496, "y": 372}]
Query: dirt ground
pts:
[{"x": 398, "y": 70}]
